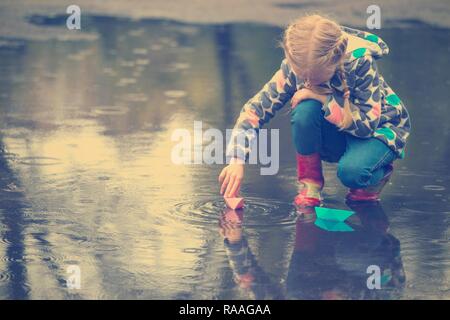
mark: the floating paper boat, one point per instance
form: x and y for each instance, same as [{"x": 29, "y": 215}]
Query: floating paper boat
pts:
[
  {"x": 332, "y": 214},
  {"x": 234, "y": 203}
]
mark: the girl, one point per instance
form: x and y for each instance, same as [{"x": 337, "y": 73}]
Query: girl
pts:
[{"x": 342, "y": 111}]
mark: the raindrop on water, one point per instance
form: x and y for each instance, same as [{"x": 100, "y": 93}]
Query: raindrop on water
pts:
[
  {"x": 142, "y": 62},
  {"x": 110, "y": 110},
  {"x": 434, "y": 187},
  {"x": 140, "y": 51},
  {"x": 125, "y": 81},
  {"x": 175, "y": 93}
]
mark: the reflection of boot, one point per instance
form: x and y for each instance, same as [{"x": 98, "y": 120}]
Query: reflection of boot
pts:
[
  {"x": 371, "y": 193},
  {"x": 371, "y": 214},
  {"x": 310, "y": 176},
  {"x": 306, "y": 213}
]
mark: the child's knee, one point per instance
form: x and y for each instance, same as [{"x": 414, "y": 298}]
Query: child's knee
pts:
[
  {"x": 353, "y": 175},
  {"x": 306, "y": 114}
]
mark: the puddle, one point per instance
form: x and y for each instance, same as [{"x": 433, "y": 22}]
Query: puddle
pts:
[{"x": 142, "y": 227}]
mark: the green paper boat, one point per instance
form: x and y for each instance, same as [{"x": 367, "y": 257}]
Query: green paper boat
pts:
[{"x": 333, "y": 214}]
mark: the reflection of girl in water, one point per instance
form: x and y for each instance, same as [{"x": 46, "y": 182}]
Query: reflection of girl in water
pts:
[
  {"x": 324, "y": 265},
  {"x": 249, "y": 276},
  {"x": 333, "y": 265}
]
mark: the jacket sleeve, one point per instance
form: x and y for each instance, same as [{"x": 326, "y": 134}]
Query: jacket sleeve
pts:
[
  {"x": 365, "y": 99},
  {"x": 259, "y": 110}
]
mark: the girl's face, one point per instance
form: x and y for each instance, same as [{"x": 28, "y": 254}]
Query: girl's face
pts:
[
  {"x": 319, "y": 79},
  {"x": 321, "y": 76},
  {"x": 314, "y": 75}
]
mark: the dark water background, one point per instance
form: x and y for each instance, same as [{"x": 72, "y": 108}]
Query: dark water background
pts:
[{"x": 86, "y": 177}]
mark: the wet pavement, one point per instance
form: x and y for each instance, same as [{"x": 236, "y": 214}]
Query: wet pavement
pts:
[{"x": 86, "y": 177}]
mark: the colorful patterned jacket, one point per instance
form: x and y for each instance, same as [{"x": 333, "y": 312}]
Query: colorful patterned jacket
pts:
[{"x": 377, "y": 111}]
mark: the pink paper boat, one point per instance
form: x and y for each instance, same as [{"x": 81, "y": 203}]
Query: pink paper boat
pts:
[{"x": 234, "y": 203}]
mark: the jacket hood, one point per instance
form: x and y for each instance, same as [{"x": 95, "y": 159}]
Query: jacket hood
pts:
[{"x": 363, "y": 43}]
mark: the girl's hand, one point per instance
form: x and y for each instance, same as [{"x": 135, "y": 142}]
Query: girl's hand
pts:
[
  {"x": 304, "y": 94},
  {"x": 231, "y": 178}
]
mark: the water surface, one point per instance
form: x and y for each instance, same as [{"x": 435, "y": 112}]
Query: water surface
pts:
[{"x": 86, "y": 177}]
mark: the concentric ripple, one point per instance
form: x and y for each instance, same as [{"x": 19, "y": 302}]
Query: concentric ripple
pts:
[
  {"x": 110, "y": 110},
  {"x": 5, "y": 276},
  {"x": 258, "y": 212},
  {"x": 39, "y": 161},
  {"x": 4, "y": 240},
  {"x": 434, "y": 188}
]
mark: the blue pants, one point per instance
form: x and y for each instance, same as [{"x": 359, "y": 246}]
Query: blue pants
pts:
[{"x": 361, "y": 162}]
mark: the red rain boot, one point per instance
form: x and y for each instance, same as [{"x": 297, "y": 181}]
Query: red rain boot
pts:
[
  {"x": 371, "y": 193},
  {"x": 310, "y": 176}
]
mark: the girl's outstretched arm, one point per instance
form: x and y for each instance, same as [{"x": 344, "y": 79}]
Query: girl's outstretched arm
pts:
[
  {"x": 254, "y": 114},
  {"x": 260, "y": 109},
  {"x": 365, "y": 100}
]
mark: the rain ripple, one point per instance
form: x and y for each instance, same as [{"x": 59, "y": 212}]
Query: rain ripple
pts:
[{"x": 258, "y": 212}]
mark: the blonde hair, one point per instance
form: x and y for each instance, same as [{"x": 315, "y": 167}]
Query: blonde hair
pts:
[{"x": 314, "y": 47}]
